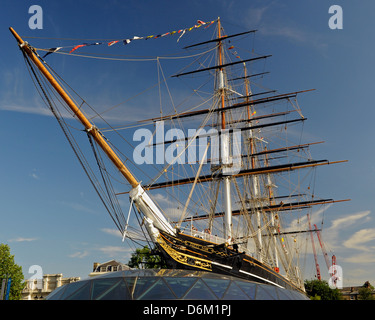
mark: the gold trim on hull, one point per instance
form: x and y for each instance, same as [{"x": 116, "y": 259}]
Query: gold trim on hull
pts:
[{"x": 185, "y": 259}]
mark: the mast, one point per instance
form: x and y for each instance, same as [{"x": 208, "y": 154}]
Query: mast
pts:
[
  {"x": 224, "y": 146},
  {"x": 144, "y": 203},
  {"x": 89, "y": 127},
  {"x": 254, "y": 180}
]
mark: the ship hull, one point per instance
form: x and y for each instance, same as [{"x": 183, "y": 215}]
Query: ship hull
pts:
[{"x": 186, "y": 252}]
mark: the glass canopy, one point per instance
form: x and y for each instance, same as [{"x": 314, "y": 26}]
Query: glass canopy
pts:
[{"x": 163, "y": 284}]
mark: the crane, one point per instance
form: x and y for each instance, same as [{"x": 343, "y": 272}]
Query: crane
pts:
[
  {"x": 313, "y": 246},
  {"x": 322, "y": 246},
  {"x": 331, "y": 268}
]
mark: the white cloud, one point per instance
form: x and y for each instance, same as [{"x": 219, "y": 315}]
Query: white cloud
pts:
[
  {"x": 315, "y": 217},
  {"x": 38, "y": 110},
  {"x": 360, "y": 240},
  {"x": 79, "y": 254},
  {"x": 115, "y": 251},
  {"x": 361, "y": 258},
  {"x": 77, "y": 206},
  {"x": 113, "y": 232},
  {"x": 333, "y": 234},
  {"x": 131, "y": 233},
  {"x": 273, "y": 23},
  {"x": 34, "y": 175},
  {"x": 21, "y": 239},
  {"x": 256, "y": 15},
  {"x": 349, "y": 220}
]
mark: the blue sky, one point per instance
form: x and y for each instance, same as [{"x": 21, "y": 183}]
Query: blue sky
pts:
[{"x": 49, "y": 213}]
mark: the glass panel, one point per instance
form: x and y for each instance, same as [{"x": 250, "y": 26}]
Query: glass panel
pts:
[
  {"x": 235, "y": 293},
  {"x": 139, "y": 285},
  {"x": 180, "y": 285},
  {"x": 284, "y": 294},
  {"x": 159, "y": 291},
  {"x": 272, "y": 291},
  {"x": 248, "y": 287},
  {"x": 99, "y": 286},
  {"x": 218, "y": 286},
  {"x": 200, "y": 291},
  {"x": 296, "y": 295},
  {"x": 82, "y": 293},
  {"x": 71, "y": 287},
  {"x": 263, "y": 294},
  {"x": 117, "y": 292},
  {"x": 56, "y": 294}
]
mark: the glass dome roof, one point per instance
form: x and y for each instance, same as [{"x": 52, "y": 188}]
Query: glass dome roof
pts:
[{"x": 164, "y": 284}]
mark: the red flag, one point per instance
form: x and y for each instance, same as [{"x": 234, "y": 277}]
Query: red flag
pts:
[
  {"x": 112, "y": 43},
  {"x": 76, "y": 47}
]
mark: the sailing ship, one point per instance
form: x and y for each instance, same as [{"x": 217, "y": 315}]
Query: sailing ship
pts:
[{"x": 237, "y": 206}]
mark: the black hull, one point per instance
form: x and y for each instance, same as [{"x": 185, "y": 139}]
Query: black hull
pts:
[{"x": 187, "y": 252}]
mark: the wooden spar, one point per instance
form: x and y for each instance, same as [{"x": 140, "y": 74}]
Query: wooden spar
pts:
[
  {"x": 273, "y": 98},
  {"x": 233, "y": 129},
  {"x": 238, "y": 105},
  {"x": 264, "y": 170},
  {"x": 220, "y": 66},
  {"x": 253, "y": 94},
  {"x": 250, "y": 76},
  {"x": 89, "y": 127},
  {"x": 266, "y": 116},
  {"x": 221, "y": 38},
  {"x": 277, "y": 207},
  {"x": 284, "y": 149}
]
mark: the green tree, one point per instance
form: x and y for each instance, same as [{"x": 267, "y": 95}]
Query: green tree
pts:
[
  {"x": 146, "y": 259},
  {"x": 320, "y": 290},
  {"x": 366, "y": 292},
  {"x": 8, "y": 269}
]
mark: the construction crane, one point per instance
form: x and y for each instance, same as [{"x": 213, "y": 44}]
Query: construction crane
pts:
[
  {"x": 323, "y": 248},
  {"x": 331, "y": 268},
  {"x": 313, "y": 246}
]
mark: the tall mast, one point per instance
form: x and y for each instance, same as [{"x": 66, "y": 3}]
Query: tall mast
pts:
[
  {"x": 255, "y": 180},
  {"x": 154, "y": 217},
  {"x": 89, "y": 127},
  {"x": 224, "y": 146}
]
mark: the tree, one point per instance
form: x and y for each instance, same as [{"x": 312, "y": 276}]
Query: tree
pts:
[
  {"x": 146, "y": 259},
  {"x": 320, "y": 290},
  {"x": 365, "y": 292},
  {"x": 8, "y": 269}
]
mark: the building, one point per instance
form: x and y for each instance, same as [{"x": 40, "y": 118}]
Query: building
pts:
[
  {"x": 109, "y": 266},
  {"x": 352, "y": 293},
  {"x": 39, "y": 289}
]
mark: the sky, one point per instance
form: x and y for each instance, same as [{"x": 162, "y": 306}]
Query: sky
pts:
[{"x": 49, "y": 214}]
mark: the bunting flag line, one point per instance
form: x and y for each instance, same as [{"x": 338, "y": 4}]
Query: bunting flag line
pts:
[
  {"x": 52, "y": 50},
  {"x": 84, "y": 45},
  {"x": 112, "y": 43},
  {"x": 234, "y": 52},
  {"x": 76, "y": 47},
  {"x": 128, "y": 40}
]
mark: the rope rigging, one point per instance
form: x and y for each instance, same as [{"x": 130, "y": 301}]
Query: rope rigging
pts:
[{"x": 106, "y": 193}]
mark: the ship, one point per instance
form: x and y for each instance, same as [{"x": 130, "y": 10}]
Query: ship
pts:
[{"x": 234, "y": 176}]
